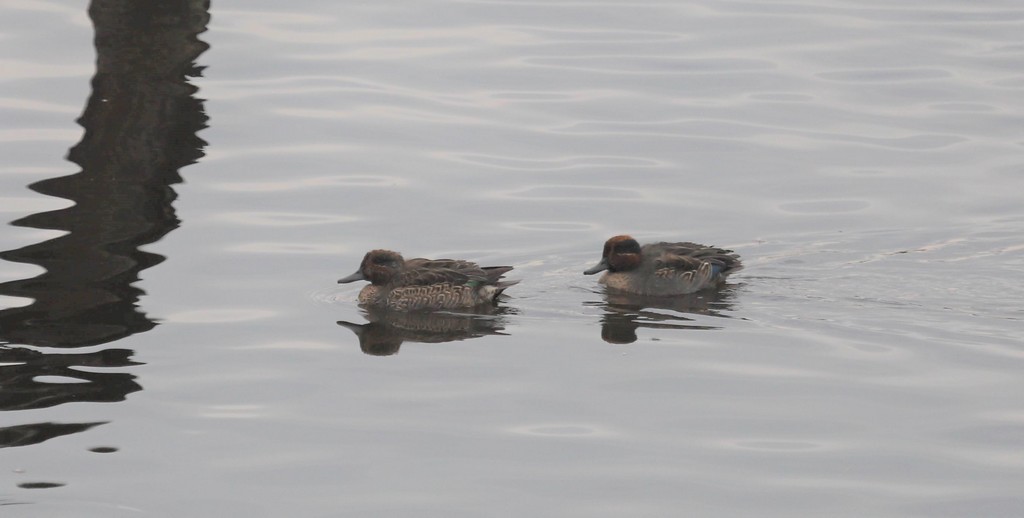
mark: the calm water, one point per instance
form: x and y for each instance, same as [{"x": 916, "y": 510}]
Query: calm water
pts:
[{"x": 173, "y": 342}]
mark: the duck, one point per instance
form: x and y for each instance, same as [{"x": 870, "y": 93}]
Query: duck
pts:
[
  {"x": 426, "y": 284},
  {"x": 663, "y": 269}
]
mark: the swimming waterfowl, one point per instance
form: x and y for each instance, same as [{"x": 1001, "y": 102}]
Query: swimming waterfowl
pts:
[
  {"x": 426, "y": 284},
  {"x": 663, "y": 269}
]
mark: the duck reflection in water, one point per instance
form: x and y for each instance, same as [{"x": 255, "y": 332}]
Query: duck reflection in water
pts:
[
  {"x": 684, "y": 277},
  {"x": 625, "y": 312},
  {"x": 387, "y": 330}
]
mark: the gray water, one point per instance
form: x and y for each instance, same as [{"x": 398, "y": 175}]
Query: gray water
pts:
[{"x": 173, "y": 348}]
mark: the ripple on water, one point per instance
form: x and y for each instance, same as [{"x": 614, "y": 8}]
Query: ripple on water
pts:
[
  {"x": 824, "y": 206},
  {"x": 20, "y": 69},
  {"x": 41, "y": 171},
  {"x": 58, "y": 380},
  {"x": 219, "y": 316},
  {"x": 282, "y": 219},
  {"x": 1010, "y": 82},
  {"x": 377, "y": 113},
  {"x": 291, "y": 345},
  {"x": 1012, "y": 48},
  {"x": 732, "y": 131},
  {"x": 308, "y": 149},
  {"x": 962, "y": 107},
  {"x": 912, "y": 142},
  {"x": 782, "y": 97},
  {"x": 315, "y": 30},
  {"x": 381, "y": 53},
  {"x": 548, "y": 164},
  {"x": 874, "y": 349},
  {"x": 32, "y": 204},
  {"x": 562, "y": 430},
  {"x": 41, "y": 485},
  {"x": 550, "y": 226},
  {"x": 33, "y": 105},
  {"x": 333, "y": 296},
  {"x": 882, "y": 75},
  {"x": 777, "y": 445},
  {"x": 858, "y": 173},
  {"x": 753, "y": 370},
  {"x": 541, "y": 97},
  {"x": 7, "y": 302},
  {"x": 355, "y": 180},
  {"x": 920, "y": 142},
  {"x": 553, "y": 35},
  {"x": 572, "y": 192},
  {"x": 1013, "y": 170},
  {"x": 234, "y": 411},
  {"x": 286, "y": 248},
  {"x": 625, "y": 64}
]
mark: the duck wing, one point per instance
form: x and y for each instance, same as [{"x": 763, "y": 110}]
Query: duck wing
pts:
[
  {"x": 422, "y": 272},
  {"x": 680, "y": 263},
  {"x": 689, "y": 256}
]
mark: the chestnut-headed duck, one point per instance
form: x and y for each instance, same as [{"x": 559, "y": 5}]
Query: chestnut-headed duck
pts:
[{"x": 663, "y": 269}]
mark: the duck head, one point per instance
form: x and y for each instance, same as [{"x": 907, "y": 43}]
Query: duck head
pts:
[
  {"x": 378, "y": 267},
  {"x": 621, "y": 253}
]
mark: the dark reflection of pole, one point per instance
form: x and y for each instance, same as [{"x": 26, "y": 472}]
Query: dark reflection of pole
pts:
[{"x": 140, "y": 128}]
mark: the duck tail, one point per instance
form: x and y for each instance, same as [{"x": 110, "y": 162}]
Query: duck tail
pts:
[
  {"x": 732, "y": 265},
  {"x": 491, "y": 291},
  {"x": 722, "y": 265},
  {"x": 494, "y": 273}
]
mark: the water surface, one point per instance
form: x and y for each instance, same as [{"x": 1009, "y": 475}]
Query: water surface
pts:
[{"x": 172, "y": 341}]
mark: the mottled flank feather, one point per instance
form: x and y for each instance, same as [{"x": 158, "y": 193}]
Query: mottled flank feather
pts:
[
  {"x": 663, "y": 269},
  {"x": 427, "y": 284}
]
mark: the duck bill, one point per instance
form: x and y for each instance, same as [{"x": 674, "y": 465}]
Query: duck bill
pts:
[
  {"x": 599, "y": 267},
  {"x": 358, "y": 276}
]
